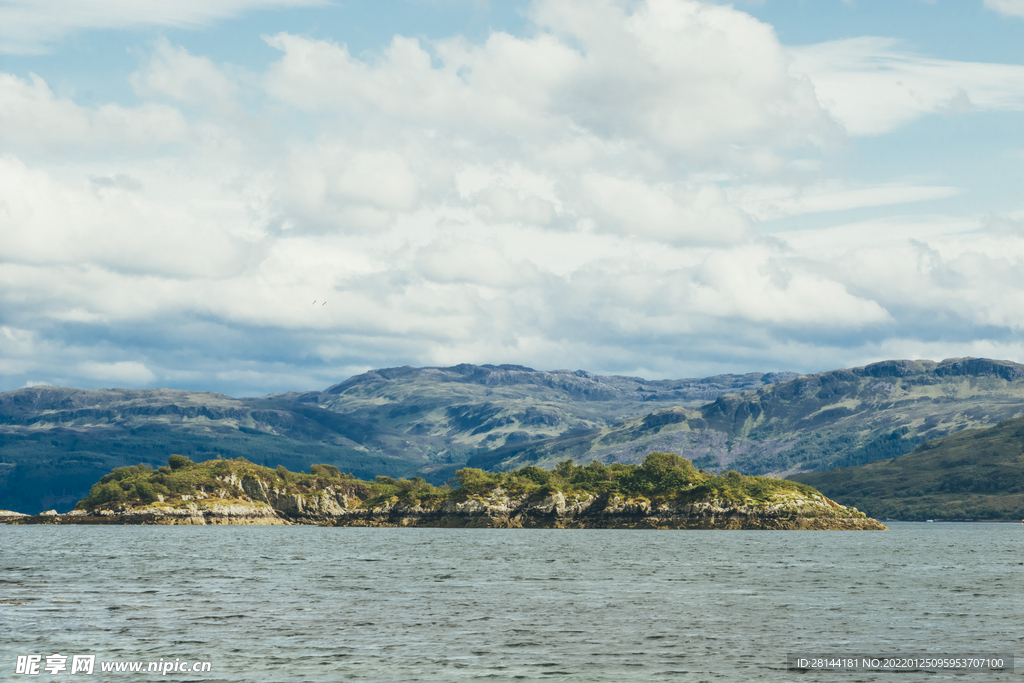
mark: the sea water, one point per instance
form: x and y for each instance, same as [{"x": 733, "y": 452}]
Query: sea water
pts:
[{"x": 375, "y": 604}]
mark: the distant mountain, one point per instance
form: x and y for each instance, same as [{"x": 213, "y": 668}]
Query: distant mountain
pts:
[
  {"x": 974, "y": 474},
  {"x": 810, "y": 423},
  {"x": 55, "y": 442},
  {"x": 429, "y": 422},
  {"x": 487, "y": 406}
]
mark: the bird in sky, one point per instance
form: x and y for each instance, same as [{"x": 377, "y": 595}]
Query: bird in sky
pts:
[
  {"x": 314, "y": 302},
  {"x": 323, "y": 304}
]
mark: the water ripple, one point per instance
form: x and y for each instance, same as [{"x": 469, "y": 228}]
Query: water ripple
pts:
[{"x": 315, "y": 604}]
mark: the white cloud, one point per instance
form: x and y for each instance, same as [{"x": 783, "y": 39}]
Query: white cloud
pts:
[
  {"x": 1011, "y": 8},
  {"x": 318, "y": 75},
  {"x": 473, "y": 263},
  {"x": 33, "y": 118},
  {"x": 872, "y": 87},
  {"x": 513, "y": 194},
  {"x": 756, "y": 285},
  {"x": 703, "y": 216},
  {"x": 768, "y": 202},
  {"x": 702, "y": 80},
  {"x": 132, "y": 373},
  {"x": 685, "y": 75},
  {"x": 173, "y": 73},
  {"x": 31, "y": 26},
  {"x": 45, "y": 221},
  {"x": 951, "y": 279}
]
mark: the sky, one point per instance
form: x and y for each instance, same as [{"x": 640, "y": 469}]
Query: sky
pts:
[{"x": 255, "y": 196}]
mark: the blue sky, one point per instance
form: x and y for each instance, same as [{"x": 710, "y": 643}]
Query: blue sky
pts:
[{"x": 665, "y": 188}]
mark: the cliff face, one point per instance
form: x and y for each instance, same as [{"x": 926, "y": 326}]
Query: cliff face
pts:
[
  {"x": 612, "y": 512},
  {"x": 497, "y": 510},
  {"x": 244, "y": 514}
]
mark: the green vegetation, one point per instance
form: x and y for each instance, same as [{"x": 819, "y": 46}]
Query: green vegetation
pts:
[
  {"x": 661, "y": 477},
  {"x": 973, "y": 474},
  {"x": 216, "y": 480}
]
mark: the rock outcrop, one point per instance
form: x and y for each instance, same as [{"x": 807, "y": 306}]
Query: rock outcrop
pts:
[
  {"x": 497, "y": 510},
  {"x": 188, "y": 514},
  {"x": 612, "y": 512}
]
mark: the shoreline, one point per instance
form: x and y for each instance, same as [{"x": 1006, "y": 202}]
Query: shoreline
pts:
[
  {"x": 496, "y": 512},
  {"x": 63, "y": 519}
]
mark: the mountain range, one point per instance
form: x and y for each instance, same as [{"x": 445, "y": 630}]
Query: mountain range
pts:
[
  {"x": 401, "y": 422},
  {"x": 809, "y": 423},
  {"x": 56, "y": 441}
]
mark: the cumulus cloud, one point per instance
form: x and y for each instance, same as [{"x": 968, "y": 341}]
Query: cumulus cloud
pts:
[
  {"x": 756, "y": 285},
  {"x": 638, "y": 209},
  {"x": 686, "y": 77},
  {"x": 473, "y": 263},
  {"x": 594, "y": 193},
  {"x": 175, "y": 74},
  {"x": 48, "y": 222},
  {"x": 33, "y": 118}
]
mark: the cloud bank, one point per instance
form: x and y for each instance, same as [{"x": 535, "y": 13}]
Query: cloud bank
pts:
[{"x": 591, "y": 195}]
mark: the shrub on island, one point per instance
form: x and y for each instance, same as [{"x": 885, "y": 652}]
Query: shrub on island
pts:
[{"x": 660, "y": 477}]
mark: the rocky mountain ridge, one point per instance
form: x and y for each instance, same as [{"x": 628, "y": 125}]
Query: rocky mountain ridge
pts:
[{"x": 809, "y": 423}]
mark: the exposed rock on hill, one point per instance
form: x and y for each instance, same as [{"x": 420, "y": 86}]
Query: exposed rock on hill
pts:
[{"x": 813, "y": 422}]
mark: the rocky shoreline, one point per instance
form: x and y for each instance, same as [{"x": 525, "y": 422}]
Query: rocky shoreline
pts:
[{"x": 497, "y": 510}]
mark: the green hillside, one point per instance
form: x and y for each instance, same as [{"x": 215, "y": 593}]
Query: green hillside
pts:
[{"x": 974, "y": 474}]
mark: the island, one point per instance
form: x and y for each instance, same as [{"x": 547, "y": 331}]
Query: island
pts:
[{"x": 664, "y": 492}]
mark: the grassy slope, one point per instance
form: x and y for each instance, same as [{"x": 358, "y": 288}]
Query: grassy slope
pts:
[{"x": 974, "y": 474}]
